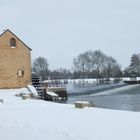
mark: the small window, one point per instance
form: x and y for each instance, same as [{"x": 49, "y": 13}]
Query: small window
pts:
[
  {"x": 12, "y": 43},
  {"x": 20, "y": 72}
]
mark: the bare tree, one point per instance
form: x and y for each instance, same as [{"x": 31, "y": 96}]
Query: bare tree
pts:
[
  {"x": 112, "y": 68},
  {"x": 99, "y": 62},
  {"x": 80, "y": 64},
  {"x": 96, "y": 64},
  {"x": 40, "y": 66}
]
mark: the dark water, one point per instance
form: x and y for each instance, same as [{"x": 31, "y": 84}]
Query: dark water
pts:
[{"x": 120, "y": 98}]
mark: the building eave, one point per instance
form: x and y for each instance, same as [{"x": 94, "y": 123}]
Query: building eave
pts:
[{"x": 16, "y": 37}]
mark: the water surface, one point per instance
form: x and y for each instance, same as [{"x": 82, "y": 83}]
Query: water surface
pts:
[{"x": 121, "y": 98}]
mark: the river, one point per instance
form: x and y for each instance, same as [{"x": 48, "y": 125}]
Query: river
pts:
[{"x": 119, "y": 96}]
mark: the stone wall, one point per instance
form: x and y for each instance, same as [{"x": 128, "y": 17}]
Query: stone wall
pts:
[{"x": 12, "y": 60}]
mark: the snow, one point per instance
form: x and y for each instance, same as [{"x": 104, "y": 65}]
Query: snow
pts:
[
  {"x": 93, "y": 80},
  {"x": 84, "y": 102},
  {"x": 40, "y": 120},
  {"x": 52, "y": 94},
  {"x": 32, "y": 89}
]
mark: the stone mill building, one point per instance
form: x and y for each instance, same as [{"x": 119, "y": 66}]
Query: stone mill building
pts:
[{"x": 15, "y": 61}]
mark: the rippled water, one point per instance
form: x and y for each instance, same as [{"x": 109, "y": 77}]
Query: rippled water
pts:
[{"x": 122, "y": 98}]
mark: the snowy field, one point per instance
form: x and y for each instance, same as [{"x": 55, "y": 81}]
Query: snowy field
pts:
[{"x": 40, "y": 120}]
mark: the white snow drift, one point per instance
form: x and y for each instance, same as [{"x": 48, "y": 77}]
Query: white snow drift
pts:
[{"x": 40, "y": 120}]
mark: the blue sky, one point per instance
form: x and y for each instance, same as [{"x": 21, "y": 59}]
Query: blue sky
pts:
[{"x": 61, "y": 29}]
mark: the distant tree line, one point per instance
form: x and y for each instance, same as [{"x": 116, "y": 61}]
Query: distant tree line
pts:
[
  {"x": 41, "y": 67},
  {"x": 90, "y": 64},
  {"x": 95, "y": 64},
  {"x": 61, "y": 73}
]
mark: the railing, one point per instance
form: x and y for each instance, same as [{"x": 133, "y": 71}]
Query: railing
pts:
[{"x": 55, "y": 84}]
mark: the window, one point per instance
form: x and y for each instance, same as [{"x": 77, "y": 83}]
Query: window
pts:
[
  {"x": 12, "y": 43},
  {"x": 20, "y": 72}
]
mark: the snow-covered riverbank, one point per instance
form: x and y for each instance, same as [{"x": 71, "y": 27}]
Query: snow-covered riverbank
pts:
[{"x": 41, "y": 120}]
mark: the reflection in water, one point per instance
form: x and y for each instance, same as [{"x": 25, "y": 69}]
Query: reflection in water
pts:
[{"x": 124, "y": 98}]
